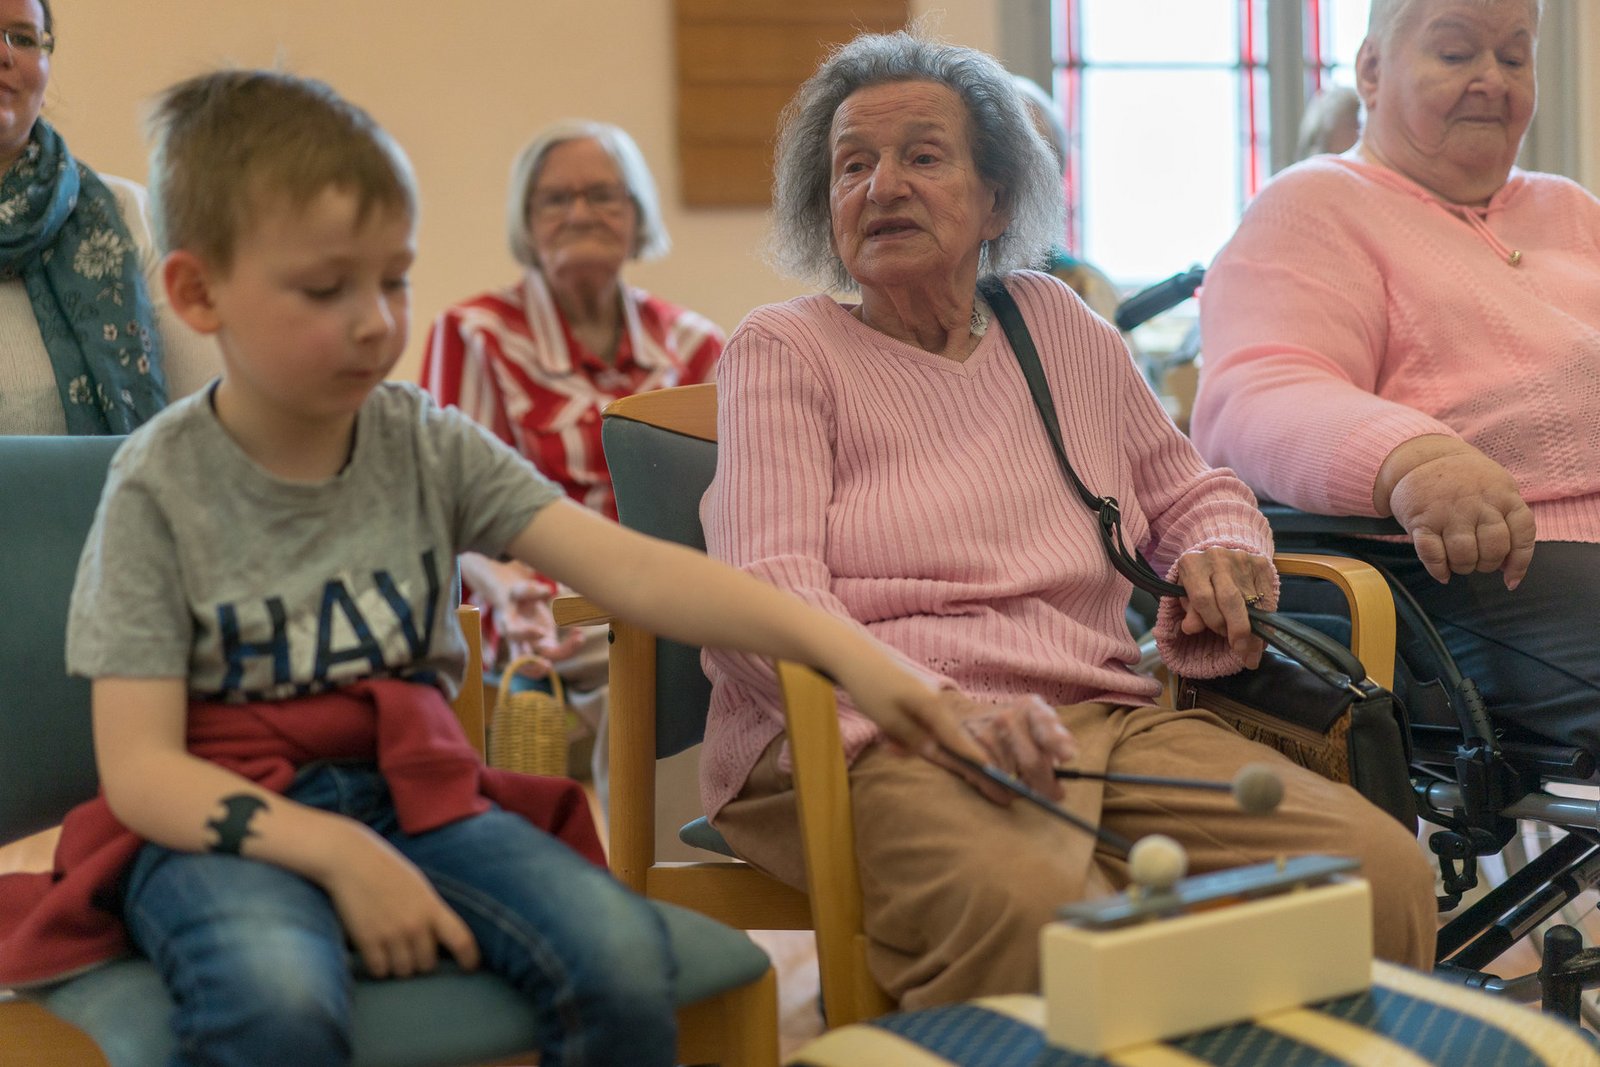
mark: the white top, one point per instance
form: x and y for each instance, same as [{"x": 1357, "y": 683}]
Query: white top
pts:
[{"x": 30, "y": 402}]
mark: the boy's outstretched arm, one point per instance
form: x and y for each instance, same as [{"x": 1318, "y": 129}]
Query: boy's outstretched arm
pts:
[
  {"x": 690, "y": 597},
  {"x": 161, "y": 792}
]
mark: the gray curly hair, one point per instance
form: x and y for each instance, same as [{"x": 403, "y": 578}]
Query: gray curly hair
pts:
[
  {"x": 1386, "y": 16},
  {"x": 1006, "y": 147}
]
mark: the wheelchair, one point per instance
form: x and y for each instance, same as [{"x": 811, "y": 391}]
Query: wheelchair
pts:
[{"x": 1482, "y": 784}]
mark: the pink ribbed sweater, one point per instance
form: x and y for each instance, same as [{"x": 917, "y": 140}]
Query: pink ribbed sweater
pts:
[
  {"x": 919, "y": 497},
  {"x": 1353, "y": 311}
]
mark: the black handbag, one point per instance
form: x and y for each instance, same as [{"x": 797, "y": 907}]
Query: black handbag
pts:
[{"x": 1310, "y": 698}]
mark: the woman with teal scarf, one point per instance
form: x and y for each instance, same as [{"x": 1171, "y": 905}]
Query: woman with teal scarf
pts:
[{"x": 84, "y": 345}]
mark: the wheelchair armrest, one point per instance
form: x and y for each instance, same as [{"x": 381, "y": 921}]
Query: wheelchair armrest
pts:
[
  {"x": 1437, "y": 746},
  {"x": 1292, "y": 522},
  {"x": 1549, "y": 760}
]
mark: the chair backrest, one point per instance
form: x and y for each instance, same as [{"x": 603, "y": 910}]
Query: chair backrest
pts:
[
  {"x": 49, "y": 489},
  {"x": 661, "y": 448},
  {"x": 646, "y": 437}
]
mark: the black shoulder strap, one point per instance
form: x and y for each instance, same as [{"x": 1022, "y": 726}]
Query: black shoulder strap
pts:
[
  {"x": 1322, "y": 655},
  {"x": 1005, "y": 309},
  {"x": 1129, "y": 564}
]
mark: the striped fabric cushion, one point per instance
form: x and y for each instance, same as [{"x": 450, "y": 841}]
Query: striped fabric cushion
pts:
[{"x": 1405, "y": 1019}]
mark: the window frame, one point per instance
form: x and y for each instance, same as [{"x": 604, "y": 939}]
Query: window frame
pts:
[{"x": 1555, "y": 139}]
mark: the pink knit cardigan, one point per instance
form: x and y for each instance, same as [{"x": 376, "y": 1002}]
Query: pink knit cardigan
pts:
[
  {"x": 1354, "y": 311},
  {"x": 919, "y": 497}
]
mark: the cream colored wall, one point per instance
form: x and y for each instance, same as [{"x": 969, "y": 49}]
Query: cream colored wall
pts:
[{"x": 462, "y": 87}]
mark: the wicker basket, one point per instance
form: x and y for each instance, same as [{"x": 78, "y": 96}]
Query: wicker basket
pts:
[{"x": 529, "y": 731}]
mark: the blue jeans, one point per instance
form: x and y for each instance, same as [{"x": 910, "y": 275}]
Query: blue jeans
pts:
[{"x": 256, "y": 958}]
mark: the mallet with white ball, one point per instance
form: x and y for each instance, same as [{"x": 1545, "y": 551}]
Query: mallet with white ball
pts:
[
  {"x": 1256, "y": 788},
  {"x": 1156, "y": 863}
]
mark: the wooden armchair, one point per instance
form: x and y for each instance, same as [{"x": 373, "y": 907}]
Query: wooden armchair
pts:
[
  {"x": 118, "y": 1013},
  {"x": 661, "y": 448}
]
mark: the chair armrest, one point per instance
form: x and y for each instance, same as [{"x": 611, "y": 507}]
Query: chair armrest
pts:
[
  {"x": 1372, "y": 625},
  {"x": 33, "y": 1036},
  {"x": 33, "y": 854},
  {"x": 822, "y": 791},
  {"x": 468, "y": 704},
  {"x": 578, "y": 611}
]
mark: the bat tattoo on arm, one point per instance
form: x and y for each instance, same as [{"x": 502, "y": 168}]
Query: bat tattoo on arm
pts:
[{"x": 234, "y": 826}]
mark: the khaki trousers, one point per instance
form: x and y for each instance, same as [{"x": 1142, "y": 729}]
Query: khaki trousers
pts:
[{"x": 956, "y": 889}]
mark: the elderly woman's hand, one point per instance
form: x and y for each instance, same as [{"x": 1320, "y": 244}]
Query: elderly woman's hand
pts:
[
  {"x": 1023, "y": 736},
  {"x": 519, "y": 603},
  {"x": 1219, "y": 583},
  {"x": 1461, "y": 508},
  {"x": 523, "y": 615}
]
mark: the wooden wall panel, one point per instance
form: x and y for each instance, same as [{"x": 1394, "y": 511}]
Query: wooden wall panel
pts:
[
  {"x": 704, "y": 109},
  {"x": 739, "y": 62},
  {"x": 727, "y": 175},
  {"x": 863, "y": 12},
  {"x": 738, "y": 54}
]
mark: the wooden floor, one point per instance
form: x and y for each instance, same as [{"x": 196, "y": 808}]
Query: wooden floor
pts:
[{"x": 794, "y": 958}]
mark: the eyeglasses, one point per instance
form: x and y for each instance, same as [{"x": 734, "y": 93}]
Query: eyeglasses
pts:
[
  {"x": 604, "y": 197},
  {"x": 29, "y": 42}
]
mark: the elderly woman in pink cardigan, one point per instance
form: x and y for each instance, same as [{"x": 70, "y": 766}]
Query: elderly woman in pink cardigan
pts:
[
  {"x": 1413, "y": 329},
  {"x": 882, "y": 460}
]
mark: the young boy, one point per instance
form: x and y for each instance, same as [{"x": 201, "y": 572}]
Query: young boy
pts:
[{"x": 266, "y": 583}]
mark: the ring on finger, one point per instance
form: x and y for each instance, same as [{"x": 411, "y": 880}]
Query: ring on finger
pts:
[{"x": 1253, "y": 599}]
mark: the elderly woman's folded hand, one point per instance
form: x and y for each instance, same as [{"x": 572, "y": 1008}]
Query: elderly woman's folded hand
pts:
[
  {"x": 1221, "y": 584},
  {"x": 1461, "y": 508}
]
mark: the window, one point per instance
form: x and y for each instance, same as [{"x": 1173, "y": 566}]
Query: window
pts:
[{"x": 1179, "y": 110}]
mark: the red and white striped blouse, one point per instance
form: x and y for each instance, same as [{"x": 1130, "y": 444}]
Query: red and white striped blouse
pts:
[{"x": 508, "y": 359}]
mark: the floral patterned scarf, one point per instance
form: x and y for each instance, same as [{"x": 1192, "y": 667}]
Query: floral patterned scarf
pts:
[{"x": 61, "y": 233}]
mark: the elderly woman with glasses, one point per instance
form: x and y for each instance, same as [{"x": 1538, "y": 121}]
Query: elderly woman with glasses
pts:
[
  {"x": 1412, "y": 329},
  {"x": 538, "y": 360},
  {"x": 882, "y": 459},
  {"x": 87, "y": 345}
]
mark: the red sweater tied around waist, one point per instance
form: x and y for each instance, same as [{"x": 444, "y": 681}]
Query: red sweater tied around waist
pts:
[{"x": 59, "y": 922}]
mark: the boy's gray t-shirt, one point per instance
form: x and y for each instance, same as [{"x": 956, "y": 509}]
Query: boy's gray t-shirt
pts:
[{"x": 201, "y": 565}]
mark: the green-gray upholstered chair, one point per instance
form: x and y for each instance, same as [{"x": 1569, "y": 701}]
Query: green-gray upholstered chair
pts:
[
  {"x": 117, "y": 1014},
  {"x": 661, "y": 449}
]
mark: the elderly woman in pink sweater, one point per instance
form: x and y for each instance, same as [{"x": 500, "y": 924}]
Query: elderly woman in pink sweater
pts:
[
  {"x": 1413, "y": 329},
  {"x": 882, "y": 460}
]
